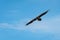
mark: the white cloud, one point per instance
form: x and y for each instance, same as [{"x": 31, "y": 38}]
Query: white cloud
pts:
[{"x": 51, "y": 25}]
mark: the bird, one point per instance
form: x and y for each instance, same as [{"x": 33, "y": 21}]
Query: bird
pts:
[{"x": 37, "y": 18}]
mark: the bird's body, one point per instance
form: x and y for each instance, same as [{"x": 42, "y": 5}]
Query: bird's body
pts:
[{"x": 37, "y": 18}]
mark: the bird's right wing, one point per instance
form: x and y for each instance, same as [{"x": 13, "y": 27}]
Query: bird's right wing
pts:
[{"x": 31, "y": 21}]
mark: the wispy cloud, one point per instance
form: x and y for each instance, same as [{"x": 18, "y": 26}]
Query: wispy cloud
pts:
[{"x": 50, "y": 25}]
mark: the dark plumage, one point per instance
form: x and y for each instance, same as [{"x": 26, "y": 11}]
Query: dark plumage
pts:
[{"x": 37, "y": 18}]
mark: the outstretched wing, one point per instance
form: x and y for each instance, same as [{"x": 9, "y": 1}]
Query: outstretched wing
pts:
[
  {"x": 37, "y": 18},
  {"x": 31, "y": 21},
  {"x": 43, "y": 13}
]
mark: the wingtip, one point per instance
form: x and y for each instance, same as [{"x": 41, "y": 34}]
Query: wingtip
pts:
[
  {"x": 26, "y": 25},
  {"x": 48, "y": 10}
]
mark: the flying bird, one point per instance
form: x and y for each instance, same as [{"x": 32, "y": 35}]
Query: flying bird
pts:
[{"x": 37, "y": 18}]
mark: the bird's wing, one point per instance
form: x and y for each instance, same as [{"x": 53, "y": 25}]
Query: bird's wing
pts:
[
  {"x": 37, "y": 18},
  {"x": 43, "y": 13},
  {"x": 31, "y": 21}
]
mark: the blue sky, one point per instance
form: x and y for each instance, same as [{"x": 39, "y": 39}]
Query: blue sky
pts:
[{"x": 14, "y": 14}]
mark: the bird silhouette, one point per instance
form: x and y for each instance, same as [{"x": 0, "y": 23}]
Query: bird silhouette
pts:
[{"x": 37, "y": 18}]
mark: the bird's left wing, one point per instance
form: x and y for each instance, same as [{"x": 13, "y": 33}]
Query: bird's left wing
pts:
[{"x": 43, "y": 13}]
